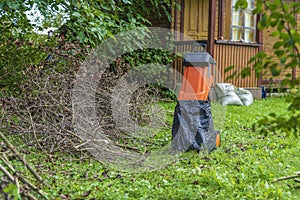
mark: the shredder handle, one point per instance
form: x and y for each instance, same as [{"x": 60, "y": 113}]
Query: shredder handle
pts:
[{"x": 199, "y": 45}]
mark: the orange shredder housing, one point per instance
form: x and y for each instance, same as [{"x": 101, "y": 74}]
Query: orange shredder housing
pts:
[{"x": 197, "y": 79}]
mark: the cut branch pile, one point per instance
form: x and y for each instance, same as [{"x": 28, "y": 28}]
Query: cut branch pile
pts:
[{"x": 42, "y": 114}]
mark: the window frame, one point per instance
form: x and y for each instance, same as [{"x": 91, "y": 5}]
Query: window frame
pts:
[{"x": 243, "y": 26}]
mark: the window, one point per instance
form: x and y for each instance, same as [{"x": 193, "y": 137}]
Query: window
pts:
[{"x": 243, "y": 23}]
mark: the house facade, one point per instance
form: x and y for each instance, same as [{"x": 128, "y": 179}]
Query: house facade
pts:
[{"x": 231, "y": 35}]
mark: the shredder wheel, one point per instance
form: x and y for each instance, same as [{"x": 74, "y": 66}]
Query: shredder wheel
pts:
[{"x": 218, "y": 139}]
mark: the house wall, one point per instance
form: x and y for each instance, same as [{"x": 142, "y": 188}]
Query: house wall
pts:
[
  {"x": 236, "y": 55},
  {"x": 268, "y": 80},
  {"x": 226, "y": 52}
]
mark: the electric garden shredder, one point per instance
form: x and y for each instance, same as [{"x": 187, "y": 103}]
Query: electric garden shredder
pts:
[{"x": 193, "y": 127}]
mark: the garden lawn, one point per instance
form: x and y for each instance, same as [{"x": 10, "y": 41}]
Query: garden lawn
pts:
[{"x": 242, "y": 168}]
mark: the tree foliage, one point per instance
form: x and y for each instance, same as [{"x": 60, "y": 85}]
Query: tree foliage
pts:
[
  {"x": 88, "y": 22},
  {"x": 281, "y": 17}
]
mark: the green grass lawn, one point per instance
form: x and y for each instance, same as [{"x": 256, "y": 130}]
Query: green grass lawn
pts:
[{"x": 242, "y": 168}]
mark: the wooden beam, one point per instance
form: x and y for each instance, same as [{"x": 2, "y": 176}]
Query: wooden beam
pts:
[
  {"x": 211, "y": 26},
  {"x": 182, "y": 19},
  {"x": 259, "y": 39},
  {"x": 221, "y": 19},
  {"x": 175, "y": 18},
  {"x": 294, "y": 73}
]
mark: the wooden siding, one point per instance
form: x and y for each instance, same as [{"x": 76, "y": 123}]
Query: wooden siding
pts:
[{"x": 237, "y": 55}]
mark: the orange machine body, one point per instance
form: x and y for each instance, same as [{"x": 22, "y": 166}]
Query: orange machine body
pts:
[
  {"x": 198, "y": 78},
  {"x": 196, "y": 83}
]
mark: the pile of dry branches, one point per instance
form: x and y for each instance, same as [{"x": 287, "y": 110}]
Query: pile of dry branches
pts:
[{"x": 42, "y": 115}]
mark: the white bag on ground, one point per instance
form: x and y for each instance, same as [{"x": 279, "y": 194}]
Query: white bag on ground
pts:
[
  {"x": 223, "y": 88},
  {"x": 231, "y": 98},
  {"x": 228, "y": 94},
  {"x": 245, "y": 96}
]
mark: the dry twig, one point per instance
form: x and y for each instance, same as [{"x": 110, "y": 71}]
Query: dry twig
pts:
[{"x": 297, "y": 175}]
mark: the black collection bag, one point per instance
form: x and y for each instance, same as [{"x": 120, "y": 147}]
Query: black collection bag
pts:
[{"x": 193, "y": 127}]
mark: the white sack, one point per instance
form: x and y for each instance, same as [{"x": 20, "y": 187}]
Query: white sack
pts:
[
  {"x": 223, "y": 88},
  {"x": 245, "y": 96},
  {"x": 231, "y": 98}
]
